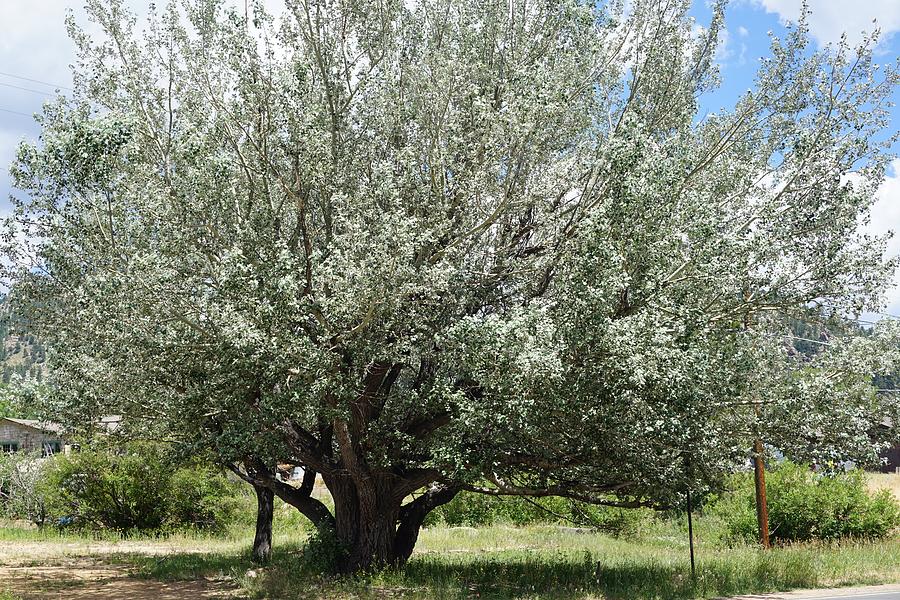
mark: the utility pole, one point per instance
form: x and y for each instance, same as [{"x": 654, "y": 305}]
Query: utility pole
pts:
[
  {"x": 759, "y": 472},
  {"x": 688, "y": 472},
  {"x": 691, "y": 534},
  {"x": 762, "y": 509}
]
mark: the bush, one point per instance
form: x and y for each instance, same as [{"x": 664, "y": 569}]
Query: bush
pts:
[
  {"x": 466, "y": 509},
  {"x": 617, "y": 521},
  {"x": 474, "y": 510},
  {"x": 323, "y": 552},
  {"x": 805, "y": 505},
  {"x": 23, "y": 490},
  {"x": 202, "y": 498},
  {"x": 137, "y": 488},
  {"x": 123, "y": 492}
]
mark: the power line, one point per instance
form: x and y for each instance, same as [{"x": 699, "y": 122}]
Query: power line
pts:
[
  {"x": 887, "y": 317},
  {"x": 802, "y": 339},
  {"x": 19, "y": 87},
  {"x": 53, "y": 85},
  {"x": 15, "y": 112}
]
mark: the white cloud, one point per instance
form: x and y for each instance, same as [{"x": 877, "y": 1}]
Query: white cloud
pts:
[
  {"x": 723, "y": 49},
  {"x": 34, "y": 41},
  {"x": 830, "y": 18},
  {"x": 743, "y": 31}
]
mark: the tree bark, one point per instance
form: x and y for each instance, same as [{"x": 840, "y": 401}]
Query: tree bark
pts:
[
  {"x": 379, "y": 531},
  {"x": 265, "y": 506},
  {"x": 371, "y": 523},
  {"x": 267, "y": 486}
]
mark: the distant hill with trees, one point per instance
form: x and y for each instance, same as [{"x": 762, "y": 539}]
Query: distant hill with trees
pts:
[
  {"x": 21, "y": 353},
  {"x": 22, "y": 357}
]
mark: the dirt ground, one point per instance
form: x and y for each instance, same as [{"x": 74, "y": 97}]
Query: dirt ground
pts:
[{"x": 40, "y": 571}]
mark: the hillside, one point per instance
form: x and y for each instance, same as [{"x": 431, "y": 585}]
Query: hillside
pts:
[{"x": 20, "y": 354}]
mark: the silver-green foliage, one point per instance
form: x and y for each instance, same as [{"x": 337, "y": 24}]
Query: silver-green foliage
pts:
[
  {"x": 434, "y": 243},
  {"x": 23, "y": 494}
]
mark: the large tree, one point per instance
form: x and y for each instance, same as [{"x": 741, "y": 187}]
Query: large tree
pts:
[{"x": 420, "y": 247}]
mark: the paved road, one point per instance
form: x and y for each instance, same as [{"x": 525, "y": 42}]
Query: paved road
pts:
[
  {"x": 873, "y": 592},
  {"x": 870, "y": 596}
]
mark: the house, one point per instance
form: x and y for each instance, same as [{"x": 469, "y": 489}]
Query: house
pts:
[
  {"x": 110, "y": 423},
  {"x": 30, "y": 435},
  {"x": 891, "y": 460}
]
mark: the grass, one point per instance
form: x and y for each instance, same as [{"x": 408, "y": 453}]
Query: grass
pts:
[
  {"x": 183, "y": 539},
  {"x": 495, "y": 562},
  {"x": 885, "y": 481},
  {"x": 548, "y": 562}
]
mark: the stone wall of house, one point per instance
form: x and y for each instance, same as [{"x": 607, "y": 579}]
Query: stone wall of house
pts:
[{"x": 27, "y": 438}]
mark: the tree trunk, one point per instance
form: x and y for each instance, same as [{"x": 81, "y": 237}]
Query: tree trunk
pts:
[
  {"x": 378, "y": 532},
  {"x": 262, "y": 542},
  {"x": 373, "y": 545}
]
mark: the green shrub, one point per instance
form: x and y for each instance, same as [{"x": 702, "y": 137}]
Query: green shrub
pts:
[
  {"x": 137, "y": 488},
  {"x": 804, "y": 505},
  {"x": 202, "y": 498},
  {"x": 123, "y": 492},
  {"x": 616, "y": 521},
  {"x": 323, "y": 552},
  {"x": 466, "y": 509},
  {"x": 473, "y": 510}
]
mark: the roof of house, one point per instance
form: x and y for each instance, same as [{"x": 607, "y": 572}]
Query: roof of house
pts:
[
  {"x": 45, "y": 426},
  {"x": 111, "y": 422}
]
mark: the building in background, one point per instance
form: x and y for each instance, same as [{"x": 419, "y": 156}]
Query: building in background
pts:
[{"x": 29, "y": 435}]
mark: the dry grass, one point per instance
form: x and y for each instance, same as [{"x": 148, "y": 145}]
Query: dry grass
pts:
[
  {"x": 538, "y": 562},
  {"x": 38, "y": 565},
  {"x": 885, "y": 481},
  {"x": 452, "y": 563}
]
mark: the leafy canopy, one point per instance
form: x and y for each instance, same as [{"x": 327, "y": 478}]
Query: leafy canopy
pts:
[{"x": 471, "y": 244}]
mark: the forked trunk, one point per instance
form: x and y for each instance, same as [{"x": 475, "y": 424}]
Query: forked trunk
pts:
[
  {"x": 262, "y": 541},
  {"x": 378, "y": 531}
]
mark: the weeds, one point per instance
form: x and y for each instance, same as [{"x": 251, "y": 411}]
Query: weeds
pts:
[
  {"x": 497, "y": 562},
  {"x": 546, "y": 562}
]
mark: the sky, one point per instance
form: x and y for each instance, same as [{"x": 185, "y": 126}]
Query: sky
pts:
[{"x": 35, "y": 58}]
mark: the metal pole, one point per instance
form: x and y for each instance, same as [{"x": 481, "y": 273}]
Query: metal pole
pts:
[
  {"x": 762, "y": 509},
  {"x": 691, "y": 534}
]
